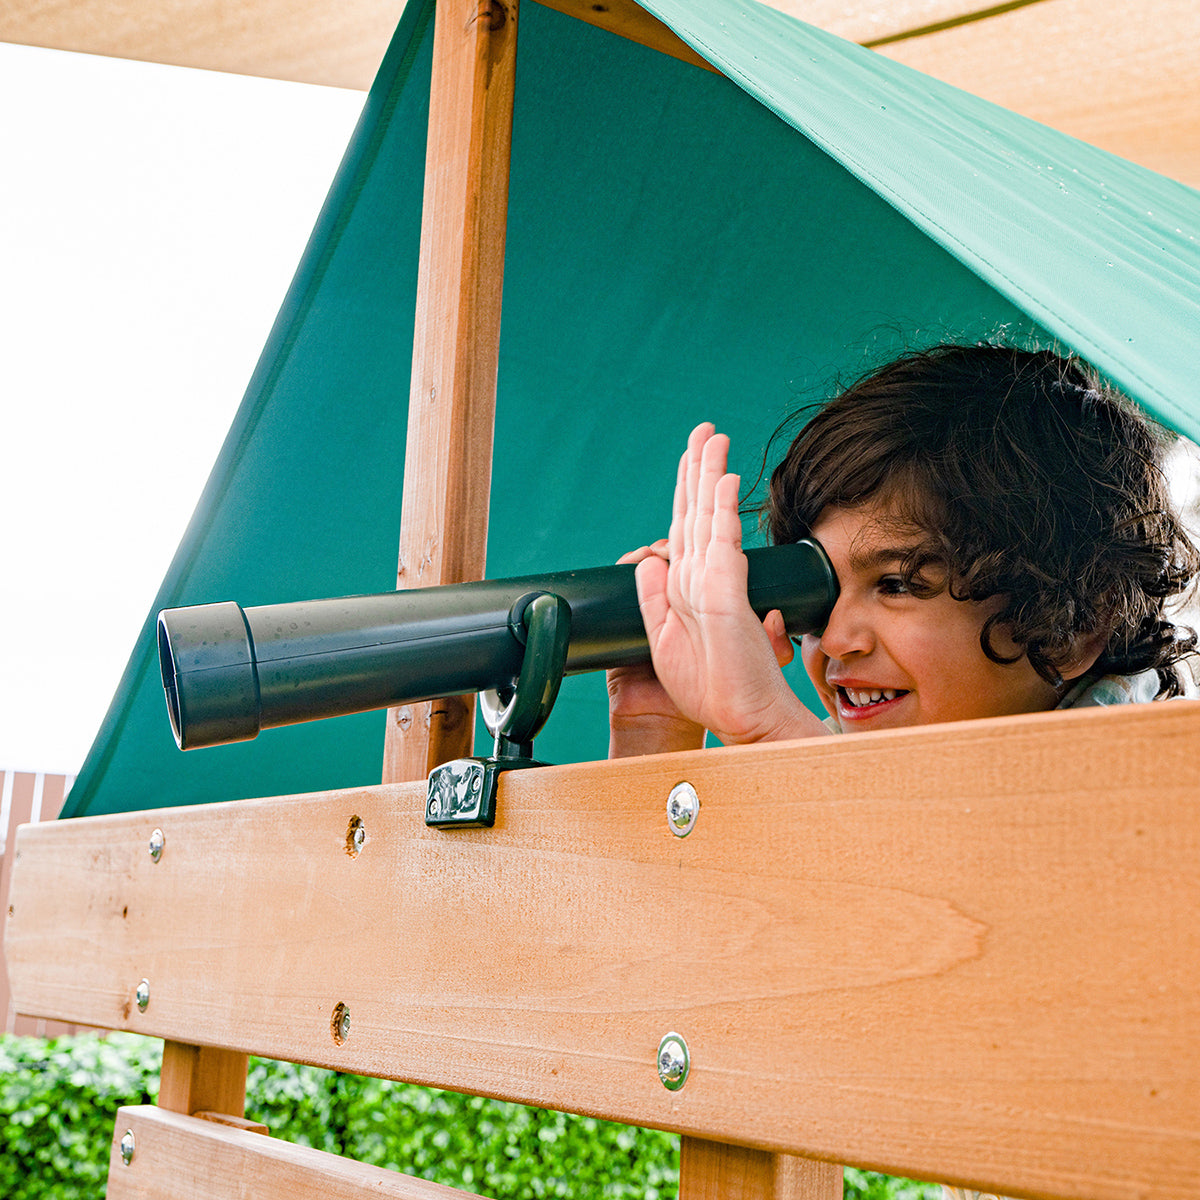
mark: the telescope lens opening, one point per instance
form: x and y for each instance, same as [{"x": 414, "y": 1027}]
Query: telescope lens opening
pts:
[{"x": 166, "y": 666}]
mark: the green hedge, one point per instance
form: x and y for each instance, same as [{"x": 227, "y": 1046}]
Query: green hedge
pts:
[{"x": 58, "y": 1101}]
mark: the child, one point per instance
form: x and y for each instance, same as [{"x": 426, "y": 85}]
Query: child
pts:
[{"x": 1004, "y": 542}]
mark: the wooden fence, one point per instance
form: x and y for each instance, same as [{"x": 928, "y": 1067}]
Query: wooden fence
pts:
[
  {"x": 25, "y": 796},
  {"x": 967, "y": 953}
]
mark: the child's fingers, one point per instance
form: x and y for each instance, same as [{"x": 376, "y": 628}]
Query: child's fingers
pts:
[
  {"x": 651, "y": 577},
  {"x": 712, "y": 469},
  {"x": 695, "y": 455},
  {"x": 726, "y": 524},
  {"x": 654, "y": 550},
  {"x": 678, "y": 511},
  {"x": 777, "y": 635}
]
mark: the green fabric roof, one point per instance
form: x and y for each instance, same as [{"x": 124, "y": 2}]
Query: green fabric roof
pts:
[{"x": 681, "y": 246}]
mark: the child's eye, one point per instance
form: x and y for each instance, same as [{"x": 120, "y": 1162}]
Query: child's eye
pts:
[{"x": 892, "y": 585}]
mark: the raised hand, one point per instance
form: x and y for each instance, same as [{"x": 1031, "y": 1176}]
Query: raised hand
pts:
[
  {"x": 643, "y": 719},
  {"x": 715, "y": 660}
]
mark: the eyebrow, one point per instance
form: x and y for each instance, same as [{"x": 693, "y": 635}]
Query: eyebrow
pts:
[{"x": 871, "y": 558}]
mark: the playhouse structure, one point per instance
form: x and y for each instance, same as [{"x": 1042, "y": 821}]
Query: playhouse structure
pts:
[{"x": 965, "y": 953}]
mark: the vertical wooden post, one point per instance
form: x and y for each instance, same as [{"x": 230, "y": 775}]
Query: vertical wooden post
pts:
[
  {"x": 20, "y": 811},
  {"x": 202, "y": 1079},
  {"x": 713, "y": 1171},
  {"x": 448, "y": 459}
]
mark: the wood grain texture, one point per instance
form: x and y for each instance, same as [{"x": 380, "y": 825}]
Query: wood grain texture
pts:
[
  {"x": 220, "y": 1118},
  {"x": 1120, "y": 79},
  {"x": 1080, "y": 66},
  {"x": 202, "y": 1079},
  {"x": 185, "y": 1158},
  {"x": 20, "y": 811},
  {"x": 343, "y": 45},
  {"x": 962, "y": 952},
  {"x": 627, "y": 19},
  {"x": 456, "y": 345},
  {"x": 713, "y": 1171},
  {"x": 308, "y": 41}
]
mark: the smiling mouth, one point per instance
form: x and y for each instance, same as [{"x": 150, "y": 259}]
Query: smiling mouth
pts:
[{"x": 862, "y": 699}]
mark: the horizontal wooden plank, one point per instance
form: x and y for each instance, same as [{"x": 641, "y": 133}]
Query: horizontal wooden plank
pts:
[
  {"x": 312, "y": 42},
  {"x": 628, "y": 19},
  {"x": 186, "y": 1158},
  {"x": 1078, "y": 65},
  {"x": 962, "y": 952},
  {"x": 306, "y": 41}
]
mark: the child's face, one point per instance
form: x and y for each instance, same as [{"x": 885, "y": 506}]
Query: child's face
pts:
[{"x": 889, "y": 659}]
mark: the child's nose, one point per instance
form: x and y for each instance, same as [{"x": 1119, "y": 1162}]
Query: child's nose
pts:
[{"x": 848, "y": 630}]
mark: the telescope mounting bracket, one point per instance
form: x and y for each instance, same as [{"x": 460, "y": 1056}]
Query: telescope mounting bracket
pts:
[{"x": 462, "y": 793}]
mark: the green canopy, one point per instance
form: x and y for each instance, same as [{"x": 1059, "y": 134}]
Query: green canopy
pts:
[{"x": 682, "y": 245}]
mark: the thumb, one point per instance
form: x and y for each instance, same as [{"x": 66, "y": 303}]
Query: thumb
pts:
[
  {"x": 651, "y": 578},
  {"x": 777, "y": 635}
]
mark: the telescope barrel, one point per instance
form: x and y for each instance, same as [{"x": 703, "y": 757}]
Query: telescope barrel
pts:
[{"x": 229, "y": 672}]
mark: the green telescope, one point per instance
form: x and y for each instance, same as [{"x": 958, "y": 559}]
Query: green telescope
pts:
[{"x": 230, "y": 671}]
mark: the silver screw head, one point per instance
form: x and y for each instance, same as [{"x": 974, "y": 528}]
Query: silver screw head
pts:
[
  {"x": 673, "y": 1061},
  {"x": 157, "y": 841},
  {"x": 127, "y": 1147},
  {"x": 142, "y": 995},
  {"x": 683, "y": 807}
]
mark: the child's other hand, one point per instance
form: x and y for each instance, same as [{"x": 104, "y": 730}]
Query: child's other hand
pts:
[
  {"x": 643, "y": 719},
  {"x": 713, "y": 658}
]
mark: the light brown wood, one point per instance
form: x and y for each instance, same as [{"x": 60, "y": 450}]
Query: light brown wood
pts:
[
  {"x": 1083, "y": 67},
  {"x": 806, "y": 1179},
  {"x": 220, "y": 1118},
  {"x": 184, "y": 1158},
  {"x": 202, "y": 1079},
  {"x": 966, "y": 952},
  {"x": 312, "y": 42},
  {"x": 25, "y": 806},
  {"x": 307, "y": 41},
  {"x": 628, "y": 19},
  {"x": 714, "y": 1171},
  {"x": 20, "y": 811},
  {"x": 448, "y": 457}
]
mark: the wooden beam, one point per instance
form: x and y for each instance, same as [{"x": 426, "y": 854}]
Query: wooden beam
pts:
[
  {"x": 628, "y": 19},
  {"x": 448, "y": 458},
  {"x": 963, "y": 951},
  {"x": 310, "y": 41},
  {"x": 202, "y": 1079},
  {"x": 715, "y": 1171},
  {"x": 185, "y": 1158},
  {"x": 306, "y": 41}
]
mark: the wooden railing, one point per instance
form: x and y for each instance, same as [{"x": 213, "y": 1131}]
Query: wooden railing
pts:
[
  {"x": 25, "y": 796},
  {"x": 967, "y": 953}
]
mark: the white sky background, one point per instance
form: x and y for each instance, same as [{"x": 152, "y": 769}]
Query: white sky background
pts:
[{"x": 150, "y": 221}]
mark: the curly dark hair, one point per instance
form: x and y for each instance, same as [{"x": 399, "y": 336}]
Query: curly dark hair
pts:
[{"x": 1026, "y": 477}]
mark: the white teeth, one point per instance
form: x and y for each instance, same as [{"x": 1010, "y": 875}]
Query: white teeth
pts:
[{"x": 861, "y": 697}]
